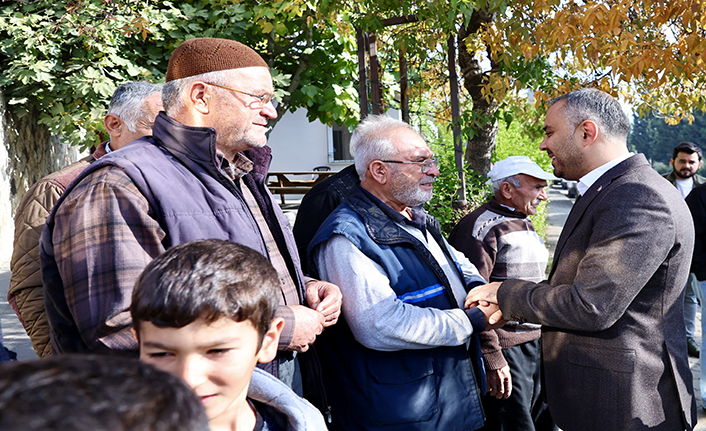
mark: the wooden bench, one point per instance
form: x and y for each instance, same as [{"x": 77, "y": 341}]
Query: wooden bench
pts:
[{"x": 280, "y": 182}]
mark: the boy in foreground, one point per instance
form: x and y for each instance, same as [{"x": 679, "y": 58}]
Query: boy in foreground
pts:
[{"x": 205, "y": 312}]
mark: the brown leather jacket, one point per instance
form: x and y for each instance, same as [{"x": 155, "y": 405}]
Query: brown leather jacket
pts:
[{"x": 26, "y": 296}]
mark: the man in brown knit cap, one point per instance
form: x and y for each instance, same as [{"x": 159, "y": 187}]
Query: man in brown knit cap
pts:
[
  {"x": 132, "y": 110},
  {"x": 201, "y": 175}
]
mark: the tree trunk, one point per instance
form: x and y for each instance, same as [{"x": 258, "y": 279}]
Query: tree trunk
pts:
[
  {"x": 480, "y": 148},
  {"x": 32, "y": 152},
  {"x": 27, "y": 153}
]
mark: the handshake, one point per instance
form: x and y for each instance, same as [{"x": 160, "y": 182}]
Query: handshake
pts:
[{"x": 486, "y": 299}]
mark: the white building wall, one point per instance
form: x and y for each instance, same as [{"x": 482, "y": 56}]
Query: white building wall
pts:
[{"x": 300, "y": 145}]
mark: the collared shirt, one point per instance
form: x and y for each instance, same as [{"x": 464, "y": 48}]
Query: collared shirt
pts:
[
  {"x": 236, "y": 169},
  {"x": 290, "y": 295},
  {"x": 587, "y": 180},
  {"x": 505, "y": 206}
]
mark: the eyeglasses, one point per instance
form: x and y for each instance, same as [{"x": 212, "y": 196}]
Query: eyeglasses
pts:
[
  {"x": 262, "y": 100},
  {"x": 425, "y": 164}
]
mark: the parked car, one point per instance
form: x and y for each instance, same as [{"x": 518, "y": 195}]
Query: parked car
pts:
[{"x": 572, "y": 191}]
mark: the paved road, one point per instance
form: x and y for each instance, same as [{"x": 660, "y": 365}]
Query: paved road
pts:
[
  {"x": 557, "y": 212},
  {"x": 14, "y": 336}
]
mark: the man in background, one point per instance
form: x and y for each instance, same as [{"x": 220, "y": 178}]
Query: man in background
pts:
[
  {"x": 131, "y": 113},
  {"x": 500, "y": 240},
  {"x": 200, "y": 175},
  {"x": 697, "y": 205},
  {"x": 399, "y": 357},
  {"x": 685, "y": 162}
]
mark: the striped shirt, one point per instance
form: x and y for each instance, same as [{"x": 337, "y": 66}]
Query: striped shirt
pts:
[{"x": 502, "y": 244}]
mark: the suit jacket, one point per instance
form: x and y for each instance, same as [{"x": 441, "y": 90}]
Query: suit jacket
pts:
[{"x": 613, "y": 337}]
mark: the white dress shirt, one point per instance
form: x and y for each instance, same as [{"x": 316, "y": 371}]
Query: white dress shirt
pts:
[{"x": 586, "y": 181}]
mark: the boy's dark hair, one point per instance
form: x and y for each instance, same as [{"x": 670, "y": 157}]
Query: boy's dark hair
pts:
[
  {"x": 206, "y": 279},
  {"x": 95, "y": 393}
]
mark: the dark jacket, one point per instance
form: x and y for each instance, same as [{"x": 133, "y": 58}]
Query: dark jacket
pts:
[
  {"x": 318, "y": 204},
  {"x": 697, "y": 205},
  {"x": 427, "y": 389}
]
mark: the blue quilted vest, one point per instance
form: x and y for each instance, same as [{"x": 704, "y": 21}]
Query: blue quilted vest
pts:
[{"x": 430, "y": 389}]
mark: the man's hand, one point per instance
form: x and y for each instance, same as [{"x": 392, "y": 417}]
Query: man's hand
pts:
[
  {"x": 499, "y": 382},
  {"x": 308, "y": 324},
  {"x": 487, "y": 293},
  {"x": 326, "y": 298},
  {"x": 493, "y": 315}
]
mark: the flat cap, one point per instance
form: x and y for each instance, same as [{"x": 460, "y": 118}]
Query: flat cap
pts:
[
  {"x": 514, "y": 165},
  {"x": 209, "y": 54}
]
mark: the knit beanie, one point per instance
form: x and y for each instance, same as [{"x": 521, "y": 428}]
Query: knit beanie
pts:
[{"x": 208, "y": 54}]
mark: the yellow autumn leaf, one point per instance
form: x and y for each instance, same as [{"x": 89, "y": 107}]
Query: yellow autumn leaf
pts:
[{"x": 266, "y": 26}]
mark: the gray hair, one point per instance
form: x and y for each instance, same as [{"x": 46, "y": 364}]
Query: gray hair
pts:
[
  {"x": 174, "y": 92},
  {"x": 371, "y": 141},
  {"x": 513, "y": 180},
  {"x": 128, "y": 102},
  {"x": 597, "y": 106}
]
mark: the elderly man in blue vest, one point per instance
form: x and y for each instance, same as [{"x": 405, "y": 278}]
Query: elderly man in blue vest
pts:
[
  {"x": 201, "y": 175},
  {"x": 399, "y": 357}
]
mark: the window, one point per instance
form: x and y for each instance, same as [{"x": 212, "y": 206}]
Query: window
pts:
[{"x": 339, "y": 144}]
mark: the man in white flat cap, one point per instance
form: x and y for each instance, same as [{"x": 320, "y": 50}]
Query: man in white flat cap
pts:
[{"x": 500, "y": 240}]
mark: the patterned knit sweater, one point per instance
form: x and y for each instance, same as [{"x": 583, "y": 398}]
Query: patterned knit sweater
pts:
[{"x": 502, "y": 244}]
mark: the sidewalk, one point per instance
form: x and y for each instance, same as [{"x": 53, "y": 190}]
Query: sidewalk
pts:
[
  {"x": 558, "y": 209},
  {"x": 14, "y": 336},
  {"x": 695, "y": 366}
]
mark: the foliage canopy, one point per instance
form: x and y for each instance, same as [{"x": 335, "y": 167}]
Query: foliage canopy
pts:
[
  {"x": 66, "y": 59},
  {"x": 649, "y": 52}
]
